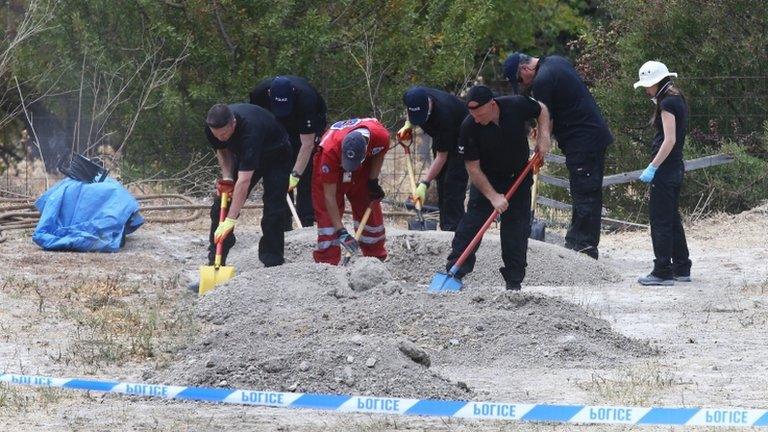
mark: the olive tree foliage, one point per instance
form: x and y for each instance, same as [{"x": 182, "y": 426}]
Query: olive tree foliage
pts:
[
  {"x": 23, "y": 23},
  {"x": 113, "y": 62},
  {"x": 139, "y": 76}
]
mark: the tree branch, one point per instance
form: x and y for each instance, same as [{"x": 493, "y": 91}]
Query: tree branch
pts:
[{"x": 227, "y": 40}]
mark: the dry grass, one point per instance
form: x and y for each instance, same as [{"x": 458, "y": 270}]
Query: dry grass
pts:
[
  {"x": 113, "y": 320},
  {"x": 633, "y": 386},
  {"x": 117, "y": 321},
  {"x": 29, "y": 399},
  {"x": 759, "y": 288}
]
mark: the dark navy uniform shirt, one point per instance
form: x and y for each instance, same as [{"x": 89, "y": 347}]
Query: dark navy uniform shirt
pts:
[
  {"x": 578, "y": 124},
  {"x": 256, "y": 132},
  {"x": 501, "y": 149},
  {"x": 444, "y": 122},
  {"x": 309, "y": 110}
]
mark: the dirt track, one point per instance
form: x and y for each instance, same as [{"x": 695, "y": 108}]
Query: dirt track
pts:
[{"x": 707, "y": 340}]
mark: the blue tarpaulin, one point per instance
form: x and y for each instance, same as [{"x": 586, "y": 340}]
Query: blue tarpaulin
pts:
[{"x": 86, "y": 217}]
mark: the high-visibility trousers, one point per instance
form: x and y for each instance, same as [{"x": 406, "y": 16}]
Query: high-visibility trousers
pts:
[{"x": 373, "y": 236}]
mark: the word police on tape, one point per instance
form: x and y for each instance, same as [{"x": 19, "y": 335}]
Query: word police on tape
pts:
[{"x": 728, "y": 417}]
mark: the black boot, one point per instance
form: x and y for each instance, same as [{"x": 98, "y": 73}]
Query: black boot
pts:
[{"x": 512, "y": 283}]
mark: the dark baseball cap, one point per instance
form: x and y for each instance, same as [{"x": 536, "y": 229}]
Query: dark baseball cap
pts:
[
  {"x": 511, "y": 65},
  {"x": 353, "y": 149},
  {"x": 480, "y": 94},
  {"x": 281, "y": 96},
  {"x": 417, "y": 103}
]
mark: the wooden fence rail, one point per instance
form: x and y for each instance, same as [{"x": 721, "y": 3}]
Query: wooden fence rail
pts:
[
  {"x": 615, "y": 179},
  {"x": 626, "y": 177}
]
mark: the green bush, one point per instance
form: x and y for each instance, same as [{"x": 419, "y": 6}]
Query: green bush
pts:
[
  {"x": 718, "y": 50},
  {"x": 734, "y": 187},
  {"x": 360, "y": 54}
]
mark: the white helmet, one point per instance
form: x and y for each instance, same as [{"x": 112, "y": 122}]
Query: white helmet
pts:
[{"x": 651, "y": 72}]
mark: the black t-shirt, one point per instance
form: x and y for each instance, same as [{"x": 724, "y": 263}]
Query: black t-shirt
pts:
[
  {"x": 256, "y": 132},
  {"x": 578, "y": 124},
  {"x": 448, "y": 111},
  {"x": 675, "y": 105},
  {"x": 309, "y": 110},
  {"x": 502, "y": 149}
]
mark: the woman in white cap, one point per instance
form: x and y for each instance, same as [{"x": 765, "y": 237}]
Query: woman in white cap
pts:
[{"x": 665, "y": 175}]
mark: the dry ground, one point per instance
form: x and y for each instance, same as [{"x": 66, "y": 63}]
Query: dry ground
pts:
[{"x": 117, "y": 316}]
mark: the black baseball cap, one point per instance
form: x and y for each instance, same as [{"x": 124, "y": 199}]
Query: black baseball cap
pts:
[
  {"x": 281, "y": 96},
  {"x": 480, "y": 94},
  {"x": 417, "y": 103},
  {"x": 353, "y": 149}
]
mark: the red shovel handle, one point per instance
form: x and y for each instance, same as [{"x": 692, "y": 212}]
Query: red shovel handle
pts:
[{"x": 459, "y": 262}]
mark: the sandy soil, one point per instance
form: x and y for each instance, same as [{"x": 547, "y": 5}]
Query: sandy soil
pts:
[{"x": 128, "y": 316}]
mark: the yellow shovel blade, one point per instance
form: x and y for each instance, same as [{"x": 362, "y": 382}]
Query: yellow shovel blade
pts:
[{"x": 210, "y": 276}]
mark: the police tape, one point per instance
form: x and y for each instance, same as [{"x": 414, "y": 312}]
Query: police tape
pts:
[{"x": 582, "y": 414}]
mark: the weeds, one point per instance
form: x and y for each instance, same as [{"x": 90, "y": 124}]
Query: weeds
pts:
[
  {"x": 17, "y": 398},
  {"x": 758, "y": 315},
  {"x": 114, "y": 325},
  {"x": 759, "y": 288},
  {"x": 19, "y": 286},
  {"x": 113, "y": 319},
  {"x": 630, "y": 386}
]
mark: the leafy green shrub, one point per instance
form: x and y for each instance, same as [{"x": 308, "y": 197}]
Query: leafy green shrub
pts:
[{"x": 718, "y": 50}]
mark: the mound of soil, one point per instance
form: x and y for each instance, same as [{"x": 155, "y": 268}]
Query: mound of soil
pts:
[
  {"x": 372, "y": 329},
  {"x": 415, "y": 257}
]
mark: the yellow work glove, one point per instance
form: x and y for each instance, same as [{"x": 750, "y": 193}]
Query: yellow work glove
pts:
[
  {"x": 406, "y": 132},
  {"x": 421, "y": 192},
  {"x": 293, "y": 180},
  {"x": 224, "y": 229}
]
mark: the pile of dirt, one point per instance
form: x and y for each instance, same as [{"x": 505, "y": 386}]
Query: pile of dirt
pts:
[
  {"x": 416, "y": 256},
  {"x": 297, "y": 328},
  {"x": 367, "y": 329}
]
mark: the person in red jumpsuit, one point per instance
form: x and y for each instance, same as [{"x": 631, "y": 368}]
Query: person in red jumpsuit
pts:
[{"x": 347, "y": 163}]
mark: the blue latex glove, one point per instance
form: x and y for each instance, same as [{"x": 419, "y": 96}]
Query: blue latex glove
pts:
[{"x": 648, "y": 174}]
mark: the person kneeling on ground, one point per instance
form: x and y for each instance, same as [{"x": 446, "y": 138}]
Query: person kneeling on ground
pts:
[
  {"x": 494, "y": 146},
  {"x": 347, "y": 163},
  {"x": 665, "y": 175}
]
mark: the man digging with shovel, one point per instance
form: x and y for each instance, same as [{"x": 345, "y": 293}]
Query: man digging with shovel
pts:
[
  {"x": 302, "y": 111},
  {"x": 347, "y": 164},
  {"x": 250, "y": 145},
  {"x": 494, "y": 147},
  {"x": 439, "y": 114}
]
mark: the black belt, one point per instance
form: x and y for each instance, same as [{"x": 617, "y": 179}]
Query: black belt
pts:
[{"x": 279, "y": 151}]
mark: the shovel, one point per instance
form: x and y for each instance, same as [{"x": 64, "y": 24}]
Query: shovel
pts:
[
  {"x": 217, "y": 274},
  {"x": 443, "y": 282},
  {"x": 537, "y": 226},
  {"x": 293, "y": 211},
  {"x": 358, "y": 234},
  {"x": 420, "y": 224}
]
